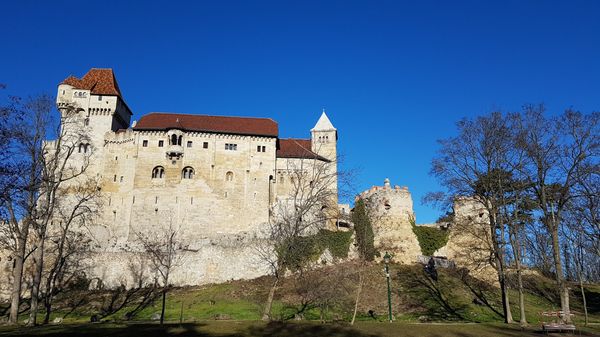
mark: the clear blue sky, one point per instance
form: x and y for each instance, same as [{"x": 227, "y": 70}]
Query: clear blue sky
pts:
[{"x": 394, "y": 76}]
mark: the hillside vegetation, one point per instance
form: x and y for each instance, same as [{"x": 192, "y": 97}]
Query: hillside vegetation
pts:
[{"x": 454, "y": 297}]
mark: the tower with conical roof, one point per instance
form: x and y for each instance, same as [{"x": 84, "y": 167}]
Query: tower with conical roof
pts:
[
  {"x": 324, "y": 143},
  {"x": 324, "y": 138}
]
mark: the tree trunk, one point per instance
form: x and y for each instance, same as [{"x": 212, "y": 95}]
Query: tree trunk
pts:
[
  {"x": 358, "y": 291},
  {"x": 508, "y": 313},
  {"x": 499, "y": 257},
  {"x": 164, "y": 301},
  {"x": 585, "y": 311},
  {"x": 19, "y": 262},
  {"x": 516, "y": 246},
  {"x": 560, "y": 279},
  {"x": 523, "y": 320},
  {"x": 267, "y": 311},
  {"x": 35, "y": 285}
]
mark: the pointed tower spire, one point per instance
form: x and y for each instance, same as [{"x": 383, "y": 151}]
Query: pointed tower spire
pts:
[{"x": 323, "y": 124}]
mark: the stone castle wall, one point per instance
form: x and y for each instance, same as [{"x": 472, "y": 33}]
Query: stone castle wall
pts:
[{"x": 391, "y": 212}]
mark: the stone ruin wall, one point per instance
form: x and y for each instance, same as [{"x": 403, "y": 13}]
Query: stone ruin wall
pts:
[
  {"x": 391, "y": 212},
  {"x": 469, "y": 244}
]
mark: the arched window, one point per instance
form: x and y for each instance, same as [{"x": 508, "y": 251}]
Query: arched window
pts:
[
  {"x": 179, "y": 140},
  {"x": 158, "y": 172},
  {"x": 187, "y": 173},
  {"x": 229, "y": 176},
  {"x": 84, "y": 148},
  {"x": 173, "y": 139}
]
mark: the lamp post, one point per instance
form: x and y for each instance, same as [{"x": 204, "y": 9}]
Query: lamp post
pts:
[{"x": 386, "y": 260}]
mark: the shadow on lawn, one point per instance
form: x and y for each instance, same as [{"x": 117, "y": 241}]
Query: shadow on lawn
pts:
[{"x": 274, "y": 329}]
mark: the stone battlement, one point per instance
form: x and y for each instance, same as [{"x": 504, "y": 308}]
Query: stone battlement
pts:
[{"x": 403, "y": 190}]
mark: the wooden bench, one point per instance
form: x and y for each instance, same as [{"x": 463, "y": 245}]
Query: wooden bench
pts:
[{"x": 558, "y": 324}]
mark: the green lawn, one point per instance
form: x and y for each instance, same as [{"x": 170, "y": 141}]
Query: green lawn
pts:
[{"x": 303, "y": 329}]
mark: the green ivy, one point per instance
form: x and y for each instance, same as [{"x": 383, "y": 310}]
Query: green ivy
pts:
[
  {"x": 430, "y": 238},
  {"x": 308, "y": 248},
  {"x": 337, "y": 242},
  {"x": 364, "y": 231}
]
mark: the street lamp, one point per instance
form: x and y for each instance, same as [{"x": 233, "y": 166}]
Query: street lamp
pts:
[{"x": 386, "y": 260}]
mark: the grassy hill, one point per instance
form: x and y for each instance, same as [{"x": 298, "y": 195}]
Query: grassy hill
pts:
[{"x": 328, "y": 294}]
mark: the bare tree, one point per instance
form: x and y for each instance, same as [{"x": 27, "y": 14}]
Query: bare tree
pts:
[
  {"x": 68, "y": 239},
  {"x": 23, "y": 133},
  {"x": 164, "y": 249},
  {"x": 310, "y": 205},
  {"x": 63, "y": 166},
  {"x": 473, "y": 165},
  {"x": 559, "y": 152}
]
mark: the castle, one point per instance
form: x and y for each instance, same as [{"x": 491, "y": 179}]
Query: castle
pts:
[
  {"x": 214, "y": 178},
  {"x": 219, "y": 181}
]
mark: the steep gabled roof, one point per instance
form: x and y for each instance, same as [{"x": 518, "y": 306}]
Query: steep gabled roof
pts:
[
  {"x": 323, "y": 124},
  {"x": 297, "y": 148},
  {"x": 98, "y": 81},
  {"x": 203, "y": 123}
]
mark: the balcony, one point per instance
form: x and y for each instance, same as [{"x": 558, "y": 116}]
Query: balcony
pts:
[{"x": 174, "y": 151}]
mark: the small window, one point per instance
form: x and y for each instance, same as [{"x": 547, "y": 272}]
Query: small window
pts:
[
  {"x": 100, "y": 97},
  {"x": 115, "y": 178},
  {"x": 86, "y": 122},
  {"x": 187, "y": 173},
  {"x": 173, "y": 139},
  {"x": 161, "y": 143},
  {"x": 116, "y": 158},
  {"x": 158, "y": 172},
  {"x": 258, "y": 148},
  {"x": 189, "y": 143},
  {"x": 205, "y": 145},
  {"x": 231, "y": 147},
  {"x": 229, "y": 176},
  {"x": 264, "y": 149},
  {"x": 121, "y": 178},
  {"x": 145, "y": 143}
]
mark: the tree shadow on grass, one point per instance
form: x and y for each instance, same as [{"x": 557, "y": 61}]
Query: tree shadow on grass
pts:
[
  {"x": 117, "y": 330},
  {"x": 281, "y": 329},
  {"x": 274, "y": 329}
]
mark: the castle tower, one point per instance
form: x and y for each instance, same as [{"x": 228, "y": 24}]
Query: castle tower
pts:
[
  {"x": 99, "y": 103},
  {"x": 324, "y": 143},
  {"x": 324, "y": 138},
  {"x": 393, "y": 215}
]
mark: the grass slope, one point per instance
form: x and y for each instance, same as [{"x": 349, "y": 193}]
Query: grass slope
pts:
[{"x": 454, "y": 297}]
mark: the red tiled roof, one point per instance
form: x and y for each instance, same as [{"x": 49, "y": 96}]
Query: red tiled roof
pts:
[
  {"x": 297, "y": 148},
  {"x": 98, "y": 81},
  {"x": 220, "y": 124}
]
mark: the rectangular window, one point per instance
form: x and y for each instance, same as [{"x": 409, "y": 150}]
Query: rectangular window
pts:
[
  {"x": 121, "y": 178},
  {"x": 189, "y": 143},
  {"x": 115, "y": 178},
  {"x": 205, "y": 145},
  {"x": 161, "y": 143},
  {"x": 231, "y": 147},
  {"x": 264, "y": 149},
  {"x": 258, "y": 148},
  {"x": 145, "y": 143},
  {"x": 261, "y": 148},
  {"x": 100, "y": 97}
]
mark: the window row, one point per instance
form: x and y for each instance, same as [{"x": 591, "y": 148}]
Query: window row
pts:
[
  {"x": 187, "y": 173},
  {"x": 174, "y": 140}
]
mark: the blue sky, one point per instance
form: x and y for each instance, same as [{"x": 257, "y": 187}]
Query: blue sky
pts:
[{"x": 393, "y": 76}]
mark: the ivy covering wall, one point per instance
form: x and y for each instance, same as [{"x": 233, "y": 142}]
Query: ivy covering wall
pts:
[{"x": 430, "y": 238}]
